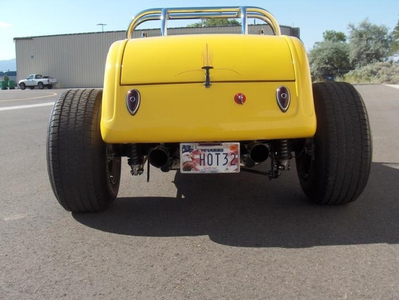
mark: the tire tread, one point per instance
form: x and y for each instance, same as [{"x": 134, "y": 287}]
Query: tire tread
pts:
[
  {"x": 76, "y": 154},
  {"x": 343, "y": 145}
]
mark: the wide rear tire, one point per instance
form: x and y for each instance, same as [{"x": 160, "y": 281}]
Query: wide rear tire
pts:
[
  {"x": 83, "y": 171},
  {"x": 334, "y": 166}
]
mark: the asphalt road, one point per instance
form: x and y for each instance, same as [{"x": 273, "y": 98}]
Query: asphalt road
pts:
[{"x": 195, "y": 237}]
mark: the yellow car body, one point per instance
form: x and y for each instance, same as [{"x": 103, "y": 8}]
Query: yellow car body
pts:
[
  {"x": 176, "y": 105},
  {"x": 206, "y": 104}
]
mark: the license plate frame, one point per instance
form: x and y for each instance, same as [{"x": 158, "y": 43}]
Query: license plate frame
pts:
[{"x": 208, "y": 158}]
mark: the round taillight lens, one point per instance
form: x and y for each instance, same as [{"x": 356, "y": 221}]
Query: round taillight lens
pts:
[
  {"x": 283, "y": 98},
  {"x": 133, "y": 99},
  {"x": 240, "y": 98}
]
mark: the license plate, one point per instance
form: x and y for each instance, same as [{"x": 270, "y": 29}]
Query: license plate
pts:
[{"x": 210, "y": 158}]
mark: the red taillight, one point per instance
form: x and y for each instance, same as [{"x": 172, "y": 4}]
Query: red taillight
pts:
[
  {"x": 240, "y": 98},
  {"x": 133, "y": 99},
  {"x": 283, "y": 98}
]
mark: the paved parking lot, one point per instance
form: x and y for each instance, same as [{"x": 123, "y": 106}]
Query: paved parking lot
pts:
[{"x": 195, "y": 237}]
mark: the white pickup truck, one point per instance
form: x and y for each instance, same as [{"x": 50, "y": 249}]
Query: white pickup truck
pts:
[{"x": 37, "y": 80}]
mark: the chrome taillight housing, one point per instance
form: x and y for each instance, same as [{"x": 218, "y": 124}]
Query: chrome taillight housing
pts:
[
  {"x": 133, "y": 99},
  {"x": 283, "y": 98}
]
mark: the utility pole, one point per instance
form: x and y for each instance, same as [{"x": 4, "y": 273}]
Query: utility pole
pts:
[{"x": 102, "y": 26}]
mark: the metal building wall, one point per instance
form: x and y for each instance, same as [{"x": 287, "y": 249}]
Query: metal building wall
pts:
[
  {"x": 78, "y": 60},
  {"x": 75, "y": 60}
]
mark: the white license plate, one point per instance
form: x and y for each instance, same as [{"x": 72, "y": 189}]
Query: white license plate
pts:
[{"x": 210, "y": 158}]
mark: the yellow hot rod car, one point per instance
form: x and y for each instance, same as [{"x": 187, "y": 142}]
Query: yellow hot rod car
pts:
[{"x": 208, "y": 103}]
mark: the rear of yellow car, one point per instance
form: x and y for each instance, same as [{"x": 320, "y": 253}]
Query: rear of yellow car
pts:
[
  {"x": 188, "y": 89},
  {"x": 208, "y": 104}
]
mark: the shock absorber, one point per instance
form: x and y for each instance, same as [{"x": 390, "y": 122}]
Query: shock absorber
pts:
[
  {"x": 135, "y": 160},
  {"x": 284, "y": 154}
]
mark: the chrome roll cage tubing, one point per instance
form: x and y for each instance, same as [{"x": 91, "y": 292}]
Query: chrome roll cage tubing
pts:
[{"x": 193, "y": 13}]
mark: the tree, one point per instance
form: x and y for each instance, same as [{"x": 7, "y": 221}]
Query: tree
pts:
[
  {"x": 395, "y": 39},
  {"x": 368, "y": 43},
  {"x": 330, "y": 58},
  {"x": 334, "y": 36},
  {"x": 216, "y": 23}
]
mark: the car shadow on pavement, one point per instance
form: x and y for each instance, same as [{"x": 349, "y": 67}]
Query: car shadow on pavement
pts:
[{"x": 247, "y": 210}]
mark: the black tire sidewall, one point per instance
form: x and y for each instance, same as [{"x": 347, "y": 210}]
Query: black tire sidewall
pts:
[
  {"x": 342, "y": 145},
  {"x": 99, "y": 151}
]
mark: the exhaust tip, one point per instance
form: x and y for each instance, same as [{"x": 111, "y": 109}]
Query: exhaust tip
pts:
[
  {"x": 258, "y": 152},
  {"x": 159, "y": 157}
]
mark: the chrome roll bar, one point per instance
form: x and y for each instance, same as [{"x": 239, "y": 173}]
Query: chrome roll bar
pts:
[{"x": 193, "y": 13}]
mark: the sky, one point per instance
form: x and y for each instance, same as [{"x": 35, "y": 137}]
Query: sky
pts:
[{"x": 25, "y": 18}]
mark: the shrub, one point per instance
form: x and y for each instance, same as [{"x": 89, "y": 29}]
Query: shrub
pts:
[{"x": 381, "y": 72}]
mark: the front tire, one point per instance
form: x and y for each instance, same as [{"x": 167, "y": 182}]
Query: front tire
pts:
[
  {"x": 83, "y": 171},
  {"x": 22, "y": 86},
  {"x": 334, "y": 166}
]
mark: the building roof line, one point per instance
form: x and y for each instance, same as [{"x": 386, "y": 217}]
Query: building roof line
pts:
[{"x": 124, "y": 31}]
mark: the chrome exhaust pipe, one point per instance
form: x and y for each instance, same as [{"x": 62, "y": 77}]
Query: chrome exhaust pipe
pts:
[
  {"x": 159, "y": 157},
  {"x": 258, "y": 152}
]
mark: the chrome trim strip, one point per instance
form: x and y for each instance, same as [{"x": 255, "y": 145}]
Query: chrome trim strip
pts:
[{"x": 195, "y": 13}]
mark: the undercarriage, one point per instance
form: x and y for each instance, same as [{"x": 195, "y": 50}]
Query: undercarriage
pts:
[{"x": 166, "y": 156}]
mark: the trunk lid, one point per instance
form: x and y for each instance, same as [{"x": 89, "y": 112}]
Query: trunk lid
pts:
[{"x": 185, "y": 58}]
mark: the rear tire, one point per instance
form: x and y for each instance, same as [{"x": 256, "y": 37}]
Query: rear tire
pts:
[
  {"x": 40, "y": 85},
  {"x": 334, "y": 166},
  {"x": 49, "y": 86},
  {"x": 83, "y": 172}
]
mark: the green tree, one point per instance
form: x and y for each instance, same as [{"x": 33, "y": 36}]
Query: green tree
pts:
[
  {"x": 395, "y": 39},
  {"x": 330, "y": 58},
  {"x": 368, "y": 43},
  {"x": 334, "y": 36},
  {"x": 215, "y": 23}
]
